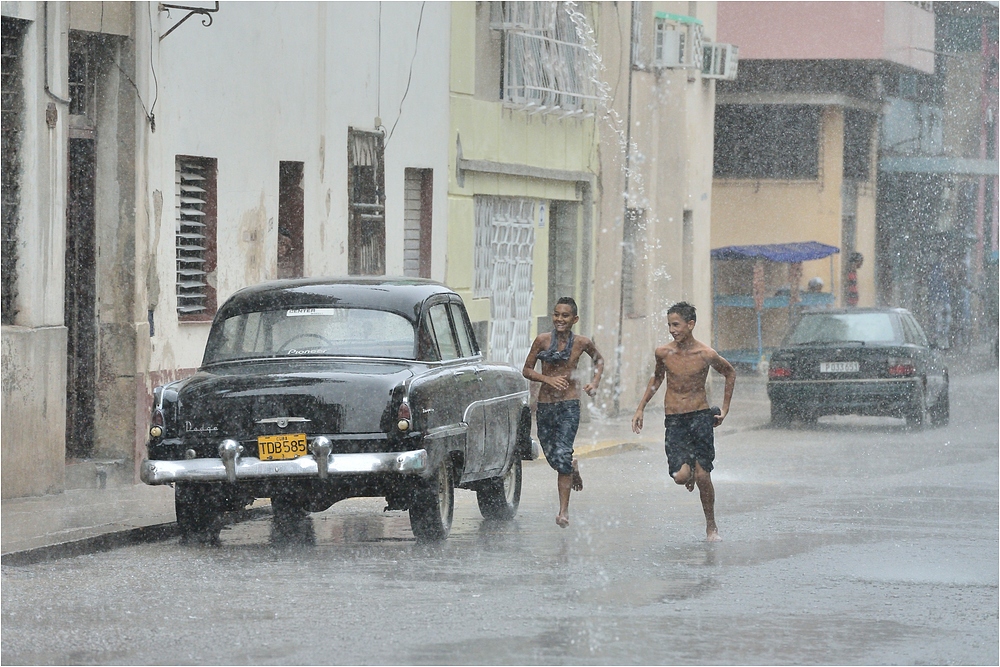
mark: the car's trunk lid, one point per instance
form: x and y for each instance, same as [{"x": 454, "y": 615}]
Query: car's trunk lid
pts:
[{"x": 314, "y": 397}]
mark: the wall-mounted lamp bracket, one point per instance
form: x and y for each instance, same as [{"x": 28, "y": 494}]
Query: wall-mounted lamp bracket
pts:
[{"x": 204, "y": 11}]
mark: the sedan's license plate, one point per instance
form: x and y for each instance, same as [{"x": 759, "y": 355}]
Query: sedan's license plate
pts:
[
  {"x": 280, "y": 447},
  {"x": 838, "y": 367}
]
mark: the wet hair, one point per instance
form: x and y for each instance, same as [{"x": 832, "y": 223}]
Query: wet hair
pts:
[
  {"x": 568, "y": 300},
  {"x": 685, "y": 310}
]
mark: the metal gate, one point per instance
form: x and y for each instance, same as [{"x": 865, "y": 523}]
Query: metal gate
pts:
[{"x": 505, "y": 241}]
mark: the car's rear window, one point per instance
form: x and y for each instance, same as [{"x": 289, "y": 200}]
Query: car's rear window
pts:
[
  {"x": 843, "y": 327},
  {"x": 305, "y": 332}
]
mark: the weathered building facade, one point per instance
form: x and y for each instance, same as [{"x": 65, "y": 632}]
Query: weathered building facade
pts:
[{"x": 158, "y": 158}]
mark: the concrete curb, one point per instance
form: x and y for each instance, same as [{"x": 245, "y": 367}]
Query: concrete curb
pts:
[{"x": 116, "y": 539}]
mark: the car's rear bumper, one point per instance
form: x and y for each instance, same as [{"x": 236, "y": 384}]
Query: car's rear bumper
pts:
[
  {"x": 869, "y": 397},
  {"x": 412, "y": 462}
]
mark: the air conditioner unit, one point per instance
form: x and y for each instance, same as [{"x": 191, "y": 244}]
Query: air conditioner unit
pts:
[
  {"x": 670, "y": 45},
  {"x": 719, "y": 61}
]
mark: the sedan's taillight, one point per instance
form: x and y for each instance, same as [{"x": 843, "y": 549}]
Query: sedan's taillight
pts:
[
  {"x": 156, "y": 425},
  {"x": 403, "y": 417},
  {"x": 779, "y": 373},
  {"x": 901, "y": 366}
]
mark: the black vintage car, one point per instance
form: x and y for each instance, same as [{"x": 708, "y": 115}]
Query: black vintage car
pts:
[
  {"x": 312, "y": 391},
  {"x": 865, "y": 361}
]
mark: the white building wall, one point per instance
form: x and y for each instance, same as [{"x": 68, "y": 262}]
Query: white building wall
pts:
[{"x": 275, "y": 81}]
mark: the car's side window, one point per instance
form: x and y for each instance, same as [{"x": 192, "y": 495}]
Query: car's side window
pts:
[
  {"x": 913, "y": 331},
  {"x": 462, "y": 327},
  {"x": 426, "y": 347},
  {"x": 442, "y": 332}
]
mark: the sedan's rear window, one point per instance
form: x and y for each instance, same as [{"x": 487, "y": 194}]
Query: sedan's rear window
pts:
[
  {"x": 304, "y": 332},
  {"x": 844, "y": 327}
]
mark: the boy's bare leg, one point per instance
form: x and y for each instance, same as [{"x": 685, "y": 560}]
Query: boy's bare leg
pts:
[
  {"x": 707, "y": 491},
  {"x": 577, "y": 480},
  {"x": 565, "y": 483}
]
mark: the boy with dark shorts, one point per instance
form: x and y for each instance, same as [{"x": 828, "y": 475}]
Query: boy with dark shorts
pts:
[
  {"x": 688, "y": 421},
  {"x": 557, "y": 413}
]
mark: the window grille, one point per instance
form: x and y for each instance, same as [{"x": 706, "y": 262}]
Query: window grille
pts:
[
  {"x": 503, "y": 264},
  {"x": 12, "y": 110},
  {"x": 677, "y": 42},
  {"x": 195, "y": 180},
  {"x": 546, "y": 68},
  {"x": 81, "y": 75},
  {"x": 366, "y": 199},
  {"x": 635, "y": 219}
]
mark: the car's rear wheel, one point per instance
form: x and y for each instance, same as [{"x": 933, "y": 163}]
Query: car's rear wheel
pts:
[
  {"x": 433, "y": 505},
  {"x": 941, "y": 414},
  {"x": 918, "y": 416},
  {"x": 499, "y": 497},
  {"x": 781, "y": 414},
  {"x": 199, "y": 516}
]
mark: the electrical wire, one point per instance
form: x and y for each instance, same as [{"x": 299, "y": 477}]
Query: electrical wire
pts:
[{"x": 409, "y": 77}]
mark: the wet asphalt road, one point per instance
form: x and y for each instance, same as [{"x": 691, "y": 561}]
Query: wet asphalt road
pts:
[{"x": 855, "y": 542}]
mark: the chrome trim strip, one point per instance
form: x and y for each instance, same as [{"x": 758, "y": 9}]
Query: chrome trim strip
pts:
[
  {"x": 248, "y": 468},
  {"x": 495, "y": 399},
  {"x": 844, "y": 381},
  {"x": 445, "y": 431},
  {"x": 287, "y": 420}
]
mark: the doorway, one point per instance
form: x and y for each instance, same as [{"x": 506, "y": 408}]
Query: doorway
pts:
[{"x": 80, "y": 301}]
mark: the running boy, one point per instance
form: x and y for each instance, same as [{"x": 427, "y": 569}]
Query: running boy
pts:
[
  {"x": 558, "y": 409},
  {"x": 690, "y": 443}
]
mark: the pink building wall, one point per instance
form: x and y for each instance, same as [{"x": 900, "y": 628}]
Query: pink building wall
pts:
[{"x": 897, "y": 31}]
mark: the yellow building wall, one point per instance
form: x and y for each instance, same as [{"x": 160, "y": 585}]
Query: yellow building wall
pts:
[
  {"x": 487, "y": 130},
  {"x": 751, "y": 212}
]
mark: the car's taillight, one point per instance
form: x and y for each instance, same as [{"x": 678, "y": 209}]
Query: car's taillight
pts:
[
  {"x": 156, "y": 424},
  {"x": 403, "y": 417},
  {"x": 901, "y": 366},
  {"x": 779, "y": 373}
]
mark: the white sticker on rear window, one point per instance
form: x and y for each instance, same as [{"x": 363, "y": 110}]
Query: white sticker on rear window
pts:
[{"x": 340, "y": 314}]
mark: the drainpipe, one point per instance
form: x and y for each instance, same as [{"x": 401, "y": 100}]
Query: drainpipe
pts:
[
  {"x": 628, "y": 169},
  {"x": 45, "y": 49}
]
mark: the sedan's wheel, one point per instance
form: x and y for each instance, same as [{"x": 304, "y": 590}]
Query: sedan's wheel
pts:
[
  {"x": 941, "y": 413},
  {"x": 433, "y": 505},
  {"x": 499, "y": 497},
  {"x": 198, "y": 514},
  {"x": 918, "y": 416},
  {"x": 781, "y": 415}
]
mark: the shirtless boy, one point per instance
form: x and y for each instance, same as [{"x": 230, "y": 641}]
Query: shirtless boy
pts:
[
  {"x": 558, "y": 409},
  {"x": 690, "y": 443}
]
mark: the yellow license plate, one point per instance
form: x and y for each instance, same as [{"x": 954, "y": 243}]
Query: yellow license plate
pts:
[{"x": 280, "y": 447}]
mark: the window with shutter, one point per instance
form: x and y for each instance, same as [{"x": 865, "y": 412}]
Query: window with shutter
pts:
[
  {"x": 366, "y": 195},
  {"x": 196, "y": 228}
]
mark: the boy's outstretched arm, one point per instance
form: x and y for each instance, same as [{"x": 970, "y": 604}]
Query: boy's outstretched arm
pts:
[
  {"x": 726, "y": 370},
  {"x": 651, "y": 389},
  {"x": 595, "y": 356},
  {"x": 529, "y": 372}
]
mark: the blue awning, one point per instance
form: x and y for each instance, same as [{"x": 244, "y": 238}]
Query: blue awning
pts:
[{"x": 777, "y": 252}]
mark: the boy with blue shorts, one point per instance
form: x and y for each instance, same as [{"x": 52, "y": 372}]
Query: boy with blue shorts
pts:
[
  {"x": 557, "y": 413},
  {"x": 688, "y": 420}
]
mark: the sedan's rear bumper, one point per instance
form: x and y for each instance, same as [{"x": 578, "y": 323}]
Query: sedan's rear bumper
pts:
[
  {"x": 870, "y": 397},
  {"x": 249, "y": 468}
]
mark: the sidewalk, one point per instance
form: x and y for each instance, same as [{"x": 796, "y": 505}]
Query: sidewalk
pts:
[{"x": 85, "y": 520}]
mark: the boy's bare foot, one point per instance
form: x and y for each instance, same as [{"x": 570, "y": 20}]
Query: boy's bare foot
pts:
[
  {"x": 689, "y": 480},
  {"x": 577, "y": 480},
  {"x": 562, "y": 521},
  {"x": 712, "y": 533}
]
